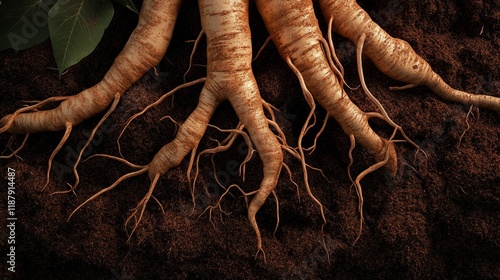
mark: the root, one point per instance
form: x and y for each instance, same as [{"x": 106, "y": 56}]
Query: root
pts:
[
  {"x": 168, "y": 157},
  {"x": 252, "y": 220},
  {"x": 269, "y": 108},
  {"x": 190, "y": 167},
  {"x": 331, "y": 53},
  {"x": 69, "y": 127},
  {"x": 468, "y": 125},
  {"x": 210, "y": 208},
  {"x": 380, "y": 107},
  {"x": 311, "y": 103},
  {"x": 159, "y": 204},
  {"x": 141, "y": 207},
  {"x": 281, "y": 136},
  {"x": 331, "y": 57},
  {"x": 232, "y": 135},
  {"x": 351, "y": 159},
  {"x": 196, "y": 42},
  {"x": 122, "y": 160},
  {"x": 408, "y": 86},
  {"x": 359, "y": 190},
  {"x": 224, "y": 146},
  {"x": 262, "y": 48},
  {"x": 185, "y": 85},
  {"x": 105, "y": 117},
  {"x": 287, "y": 168},
  {"x": 176, "y": 123},
  {"x": 143, "y": 170},
  {"x": 277, "y": 212},
  {"x": 293, "y": 151},
  {"x": 12, "y": 117},
  {"x": 313, "y": 147},
  {"x": 380, "y": 116},
  {"x": 332, "y": 47},
  {"x": 14, "y": 153}
]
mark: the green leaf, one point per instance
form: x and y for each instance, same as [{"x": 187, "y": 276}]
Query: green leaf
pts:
[
  {"x": 23, "y": 23},
  {"x": 76, "y": 27},
  {"x": 128, "y": 4}
]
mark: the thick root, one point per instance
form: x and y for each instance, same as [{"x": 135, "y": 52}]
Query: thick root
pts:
[
  {"x": 156, "y": 24},
  {"x": 9, "y": 123},
  {"x": 91, "y": 136},
  {"x": 168, "y": 157},
  {"x": 393, "y": 56}
]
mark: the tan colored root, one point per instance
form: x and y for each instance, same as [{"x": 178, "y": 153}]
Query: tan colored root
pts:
[
  {"x": 331, "y": 48},
  {"x": 408, "y": 86},
  {"x": 65, "y": 137},
  {"x": 310, "y": 101},
  {"x": 375, "y": 101},
  {"x": 380, "y": 116},
  {"x": 143, "y": 170},
  {"x": 307, "y": 95},
  {"x": 14, "y": 153},
  {"x": 136, "y": 115},
  {"x": 281, "y": 136},
  {"x": 245, "y": 195},
  {"x": 269, "y": 108},
  {"x": 176, "y": 123},
  {"x": 333, "y": 60},
  {"x": 331, "y": 53},
  {"x": 190, "y": 167},
  {"x": 122, "y": 160},
  {"x": 287, "y": 168},
  {"x": 262, "y": 48},
  {"x": 468, "y": 125},
  {"x": 312, "y": 124},
  {"x": 10, "y": 143},
  {"x": 210, "y": 208},
  {"x": 220, "y": 148},
  {"x": 30, "y": 108},
  {"x": 224, "y": 146},
  {"x": 277, "y": 212},
  {"x": 295, "y": 154},
  {"x": 313, "y": 147},
  {"x": 232, "y": 135},
  {"x": 92, "y": 134},
  {"x": 141, "y": 207},
  {"x": 351, "y": 159},
  {"x": 359, "y": 190},
  {"x": 196, "y": 42},
  {"x": 159, "y": 204},
  {"x": 292, "y": 151}
]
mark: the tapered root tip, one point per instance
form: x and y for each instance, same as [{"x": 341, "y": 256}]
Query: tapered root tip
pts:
[{"x": 252, "y": 212}]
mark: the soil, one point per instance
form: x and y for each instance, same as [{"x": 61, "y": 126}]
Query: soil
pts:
[{"x": 439, "y": 218}]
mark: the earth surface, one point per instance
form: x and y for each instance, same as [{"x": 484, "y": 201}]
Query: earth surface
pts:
[{"x": 439, "y": 218}]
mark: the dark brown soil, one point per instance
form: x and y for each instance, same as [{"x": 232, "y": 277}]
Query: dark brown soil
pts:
[{"x": 438, "y": 219}]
